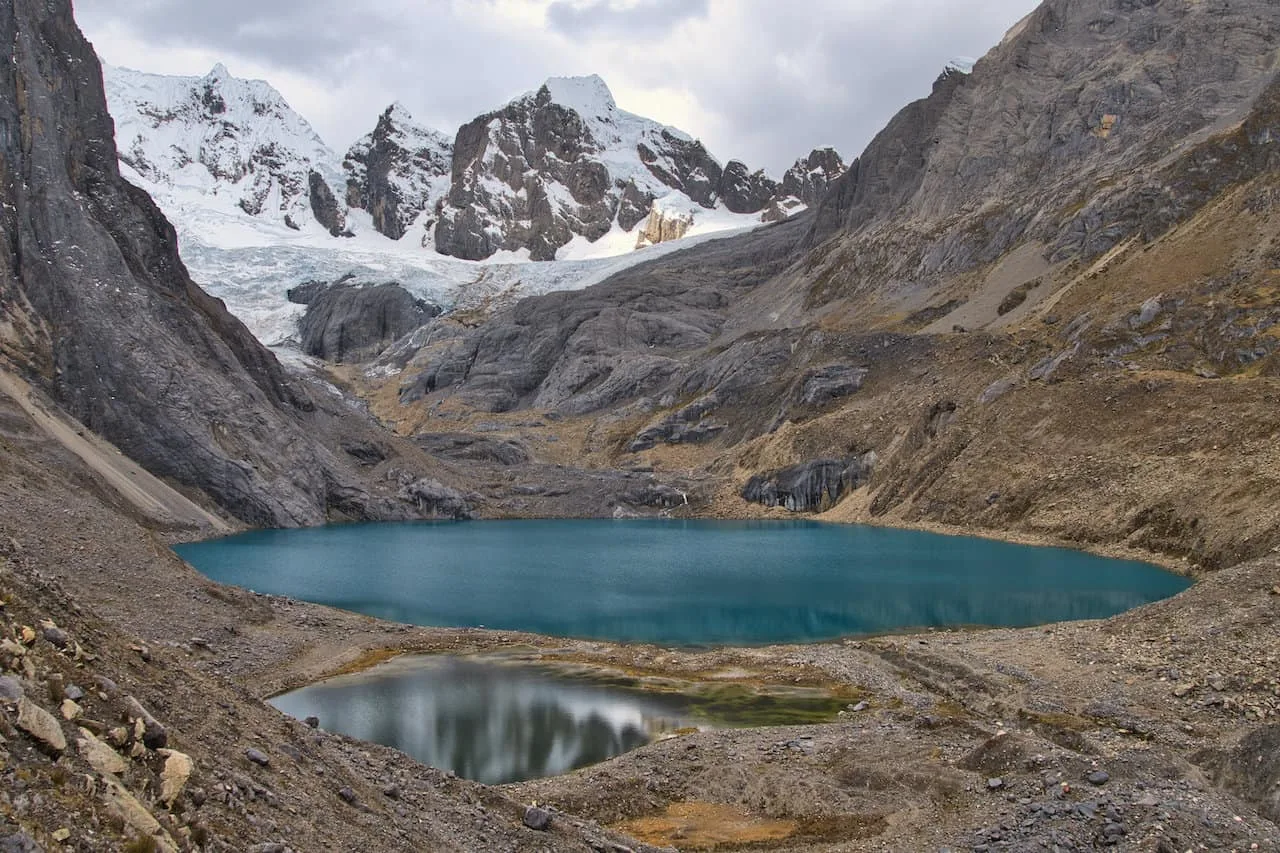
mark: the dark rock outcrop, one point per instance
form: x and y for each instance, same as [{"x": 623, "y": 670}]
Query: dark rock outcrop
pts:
[
  {"x": 831, "y": 382},
  {"x": 744, "y": 191},
  {"x": 100, "y": 313},
  {"x": 687, "y": 425},
  {"x": 812, "y": 486},
  {"x": 398, "y": 171},
  {"x": 350, "y": 321},
  {"x": 481, "y": 448},
  {"x": 436, "y": 500},
  {"x": 810, "y": 178},
  {"x": 324, "y": 207}
]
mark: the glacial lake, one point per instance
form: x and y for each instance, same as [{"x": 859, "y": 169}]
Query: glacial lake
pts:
[
  {"x": 679, "y": 582},
  {"x": 499, "y": 721}
]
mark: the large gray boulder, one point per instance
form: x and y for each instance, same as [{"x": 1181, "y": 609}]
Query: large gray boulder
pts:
[{"x": 349, "y": 321}]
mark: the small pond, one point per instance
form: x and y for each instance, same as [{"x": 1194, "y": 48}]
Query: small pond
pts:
[
  {"x": 500, "y": 721},
  {"x": 679, "y": 582}
]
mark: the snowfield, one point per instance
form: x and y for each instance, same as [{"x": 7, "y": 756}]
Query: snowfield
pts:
[
  {"x": 251, "y": 265},
  {"x": 229, "y": 161}
]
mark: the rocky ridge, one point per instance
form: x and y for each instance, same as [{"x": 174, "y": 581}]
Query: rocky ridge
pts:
[
  {"x": 398, "y": 173},
  {"x": 101, "y": 315},
  {"x": 570, "y": 163},
  {"x": 551, "y": 166}
]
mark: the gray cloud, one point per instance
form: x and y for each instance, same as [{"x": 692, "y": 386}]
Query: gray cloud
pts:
[
  {"x": 646, "y": 19},
  {"x": 756, "y": 80}
]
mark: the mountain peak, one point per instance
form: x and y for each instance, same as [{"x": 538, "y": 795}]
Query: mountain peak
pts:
[
  {"x": 587, "y": 96},
  {"x": 217, "y": 73},
  {"x": 399, "y": 113}
]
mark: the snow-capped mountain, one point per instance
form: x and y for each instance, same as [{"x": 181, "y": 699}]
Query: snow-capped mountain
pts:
[
  {"x": 262, "y": 204},
  {"x": 565, "y": 162},
  {"x": 399, "y": 173},
  {"x": 232, "y": 143},
  {"x": 558, "y": 172}
]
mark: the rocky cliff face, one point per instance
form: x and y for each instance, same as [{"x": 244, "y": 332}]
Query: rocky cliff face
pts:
[
  {"x": 398, "y": 173},
  {"x": 99, "y": 311},
  {"x": 555, "y": 164},
  {"x": 350, "y": 320},
  {"x": 236, "y": 142},
  {"x": 565, "y": 162},
  {"x": 1059, "y": 136}
]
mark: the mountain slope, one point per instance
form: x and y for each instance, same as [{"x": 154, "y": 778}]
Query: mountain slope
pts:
[
  {"x": 1057, "y": 263},
  {"x": 100, "y": 313},
  {"x": 1059, "y": 138},
  {"x": 228, "y": 141}
]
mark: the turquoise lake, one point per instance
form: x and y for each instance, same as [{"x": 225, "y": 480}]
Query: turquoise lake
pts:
[{"x": 679, "y": 582}]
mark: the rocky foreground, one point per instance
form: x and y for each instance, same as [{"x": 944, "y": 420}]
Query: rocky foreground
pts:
[{"x": 132, "y": 719}]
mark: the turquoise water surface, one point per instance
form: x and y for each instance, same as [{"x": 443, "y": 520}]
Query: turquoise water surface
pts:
[{"x": 679, "y": 582}]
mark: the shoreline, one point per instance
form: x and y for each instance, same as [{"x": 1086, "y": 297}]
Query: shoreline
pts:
[{"x": 338, "y": 658}]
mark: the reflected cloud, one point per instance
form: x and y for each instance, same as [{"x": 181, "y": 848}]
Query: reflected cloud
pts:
[{"x": 486, "y": 721}]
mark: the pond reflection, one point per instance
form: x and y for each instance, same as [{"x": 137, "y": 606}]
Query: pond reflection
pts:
[{"x": 487, "y": 721}]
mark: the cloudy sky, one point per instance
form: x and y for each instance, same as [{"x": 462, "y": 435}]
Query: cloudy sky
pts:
[{"x": 763, "y": 81}]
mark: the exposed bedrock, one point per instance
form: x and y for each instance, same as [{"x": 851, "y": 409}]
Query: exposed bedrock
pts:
[
  {"x": 100, "y": 313},
  {"x": 813, "y": 486}
]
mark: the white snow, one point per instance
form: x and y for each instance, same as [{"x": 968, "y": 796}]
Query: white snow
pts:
[
  {"x": 234, "y": 142},
  {"x": 210, "y": 149}
]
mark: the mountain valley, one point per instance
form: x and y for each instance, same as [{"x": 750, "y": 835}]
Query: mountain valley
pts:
[{"x": 1040, "y": 306}]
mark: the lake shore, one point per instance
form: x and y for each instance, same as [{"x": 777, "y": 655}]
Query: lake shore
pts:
[{"x": 1165, "y": 697}]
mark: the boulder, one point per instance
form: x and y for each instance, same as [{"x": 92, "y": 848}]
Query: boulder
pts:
[
  {"x": 41, "y": 725},
  {"x": 99, "y": 755},
  {"x": 351, "y": 321},
  {"x": 153, "y": 733},
  {"x": 10, "y": 689},
  {"x": 435, "y": 500},
  {"x": 177, "y": 770},
  {"x": 536, "y": 817}
]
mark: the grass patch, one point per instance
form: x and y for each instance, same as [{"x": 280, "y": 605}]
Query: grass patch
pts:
[{"x": 740, "y": 706}]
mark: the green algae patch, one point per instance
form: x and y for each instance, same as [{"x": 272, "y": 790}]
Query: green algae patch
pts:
[{"x": 743, "y": 706}]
